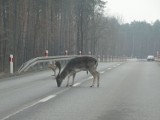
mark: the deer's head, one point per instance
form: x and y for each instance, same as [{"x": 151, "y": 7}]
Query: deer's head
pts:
[{"x": 58, "y": 78}]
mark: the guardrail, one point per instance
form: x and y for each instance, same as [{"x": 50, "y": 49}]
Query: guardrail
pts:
[
  {"x": 45, "y": 59},
  {"x": 157, "y": 59},
  {"x": 24, "y": 67}
]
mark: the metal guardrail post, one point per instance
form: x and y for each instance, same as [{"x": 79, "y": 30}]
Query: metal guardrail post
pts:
[{"x": 11, "y": 63}]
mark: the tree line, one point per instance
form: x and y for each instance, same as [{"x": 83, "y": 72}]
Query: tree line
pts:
[
  {"x": 137, "y": 39},
  {"x": 29, "y": 27}
]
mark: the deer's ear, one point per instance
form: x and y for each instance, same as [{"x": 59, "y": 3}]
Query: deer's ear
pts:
[{"x": 58, "y": 64}]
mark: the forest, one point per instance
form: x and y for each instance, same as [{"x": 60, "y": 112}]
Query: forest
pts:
[{"x": 29, "y": 27}]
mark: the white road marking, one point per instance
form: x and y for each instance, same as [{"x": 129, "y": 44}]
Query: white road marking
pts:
[
  {"x": 109, "y": 68},
  {"x": 10, "y": 115},
  {"x": 47, "y": 98},
  {"x": 102, "y": 72},
  {"x": 90, "y": 77},
  {"x": 18, "y": 111},
  {"x": 59, "y": 92},
  {"x": 76, "y": 84}
]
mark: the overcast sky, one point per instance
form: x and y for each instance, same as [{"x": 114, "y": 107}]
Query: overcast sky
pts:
[{"x": 130, "y": 10}]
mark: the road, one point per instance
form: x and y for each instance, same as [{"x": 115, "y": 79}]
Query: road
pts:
[{"x": 128, "y": 91}]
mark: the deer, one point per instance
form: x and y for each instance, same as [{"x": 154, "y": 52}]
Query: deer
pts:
[{"x": 77, "y": 64}]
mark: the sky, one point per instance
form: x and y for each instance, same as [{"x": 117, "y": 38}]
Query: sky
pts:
[{"x": 130, "y": 10}]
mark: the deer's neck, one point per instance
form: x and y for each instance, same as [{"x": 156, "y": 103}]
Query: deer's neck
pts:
[{"x": 64, "y": 73}]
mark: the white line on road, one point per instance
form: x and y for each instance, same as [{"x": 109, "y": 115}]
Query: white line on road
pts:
[
  {"x": 47, "y": 98},
  {"x": 109, "y": 68},
  {"x": 76, "y": 84},
  {"x": 90, "y": 77},
  {"x": 102, "y": 72},
  {"x": 10, "y": 115}
]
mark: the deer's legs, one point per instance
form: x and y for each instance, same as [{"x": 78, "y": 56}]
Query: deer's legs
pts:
[
  {"x": 68, "y": 81},
  {"x": 93, "y": 82},
  {"x": 74, "y": 74},
  {"x": 95, "y": 76},
  {"x": 98, "y": 75}
]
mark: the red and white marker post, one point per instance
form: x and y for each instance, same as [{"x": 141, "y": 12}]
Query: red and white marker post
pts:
[
  {"x": 11, "y": 63},
  {"x": 80, "y": 52},
  {"x": 66, "y": 52},
  {"x": 46, "y": 53}
]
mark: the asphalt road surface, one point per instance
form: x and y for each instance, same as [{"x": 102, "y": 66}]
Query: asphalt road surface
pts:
[{"x": 128, "y": 91}]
